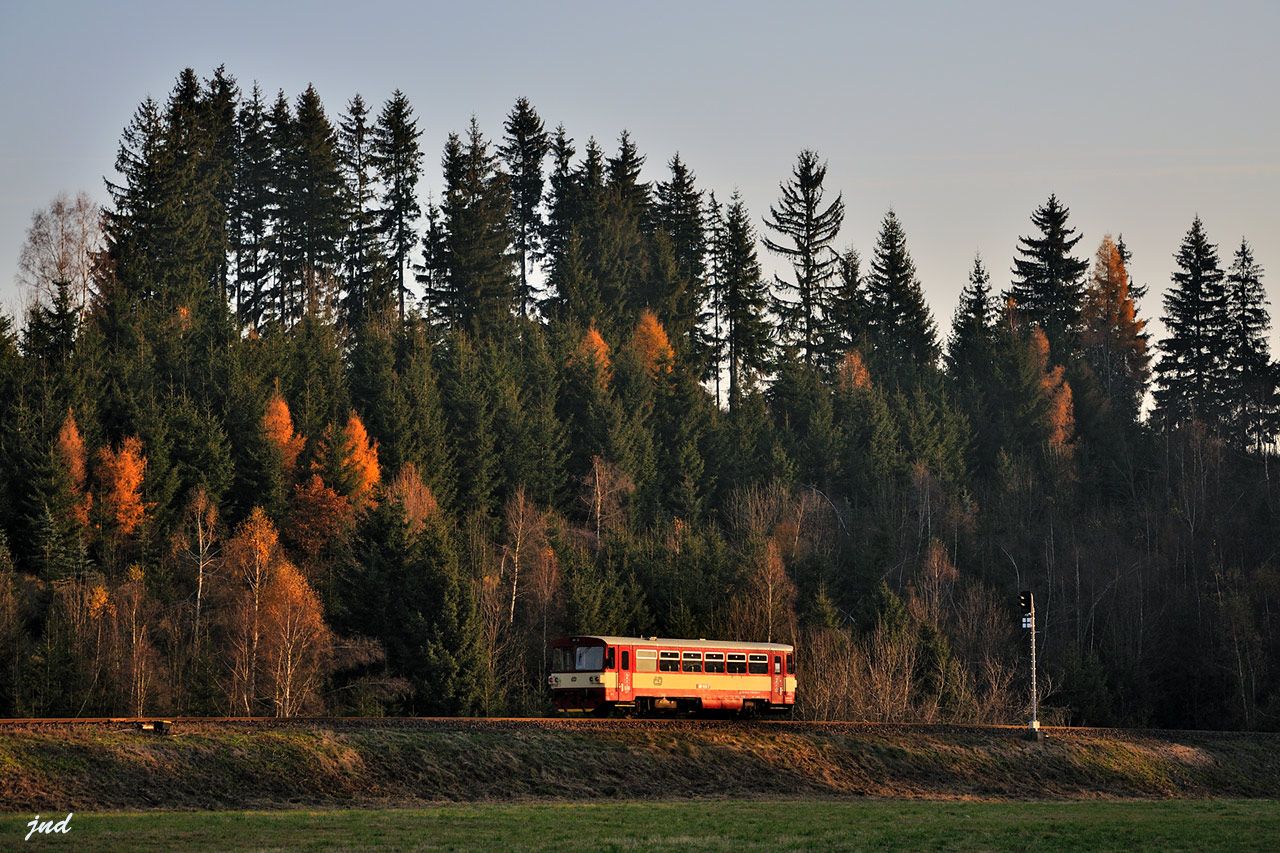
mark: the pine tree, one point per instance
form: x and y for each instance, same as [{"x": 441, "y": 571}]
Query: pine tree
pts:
[
  {"x": 1250, "y": 394},
  {"x": 524, "y": 149},
  {"x": 1048, "y": 284},
  {"x": 397, "y": 159},
  {"x": 1192, "y": 371},
  {"x": 252, "y": 211},
  {"x": 747, "y": 332},
  {"x": 480, "y": 286},
  {"x": 806, "y": 232},
  {"x": 364, "y": 292},
  {"x": 901, "y": 328},
  {"x": 1113, "y": 338}
]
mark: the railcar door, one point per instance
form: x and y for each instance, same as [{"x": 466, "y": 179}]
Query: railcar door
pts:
[
  {"x": 777, "y": 695},
  {"x": 624, "y": 675}
]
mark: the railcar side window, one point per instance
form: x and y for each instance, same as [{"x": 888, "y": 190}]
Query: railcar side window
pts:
[
  {"x": 609, "y": 658},
  {"x": 758, "y": 664},
  {"x": 669, "y": 661},
  {"x": 737, "y": 663},
  {"x": 715, "y": 661},
  {"x": 646, "y": 660},
  {"x": 692, "y": 662},
  {"x": 777, "y": 664},
  {"x": 791, "y": 664}
]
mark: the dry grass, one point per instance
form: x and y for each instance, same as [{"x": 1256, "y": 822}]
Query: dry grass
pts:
[{"x": 372, "y": 763}]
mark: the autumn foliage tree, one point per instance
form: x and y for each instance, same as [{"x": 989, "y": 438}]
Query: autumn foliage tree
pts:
[
  {"x": 277, "y": 428},
  {"x": 296, "y": 642},
  {"x": 1113, "y": 338},
  {"x": 652, "y": 346},
  {"x": 71, "y": 454},
  {"x": 120, "y": 474}
]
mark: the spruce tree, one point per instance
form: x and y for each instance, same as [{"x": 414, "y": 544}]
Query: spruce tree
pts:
[
  {"x": 1114, "y": 340},
  {"x": 524, "y": 149},
  {"x": 283, "y": 243},
  {"x": 747, "y": 331},
  {"x": 397, "y": 158},
  {"x": 846, "y": 318},
  {"x": 252, "y": 207},
  {"x": 1048, "y": 284},
  {"x": 221, "y": 131},
  {"x": 1250, "y": 393},
  {"x": 806, "y": 232},
  {"x": 316, "y": 207},
  {"x": 1192, "y": 371},
  {"x": 901, "y": 328},
  {"x": 477, "y": 262},
  {"x": 562, "y": 203},
  {"x": 678, "y": 214},
  {"x": 623, "y": 177},
  {"x": 972, "y": 340},
  {"x": 364, "y": 294}
]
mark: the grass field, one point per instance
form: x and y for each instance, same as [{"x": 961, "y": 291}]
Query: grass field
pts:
[{"x": 702, "y": 824}]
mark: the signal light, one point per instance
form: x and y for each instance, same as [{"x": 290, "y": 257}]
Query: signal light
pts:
[{"x": 1025, "y": 600}]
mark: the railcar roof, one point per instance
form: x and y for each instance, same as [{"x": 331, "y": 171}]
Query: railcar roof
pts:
[{"x": 684, "y": 644}]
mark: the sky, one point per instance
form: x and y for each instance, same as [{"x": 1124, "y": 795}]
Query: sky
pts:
[{"x": 962, "y": 117}]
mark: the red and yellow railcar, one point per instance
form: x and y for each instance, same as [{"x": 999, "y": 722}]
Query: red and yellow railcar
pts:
[{"x": 596, "y": 674}]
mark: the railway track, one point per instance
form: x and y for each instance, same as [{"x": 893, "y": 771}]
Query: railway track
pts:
[{"x": 164, "y": 725}]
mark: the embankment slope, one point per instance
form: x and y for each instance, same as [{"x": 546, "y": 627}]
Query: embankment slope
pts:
[{"x": 206, "y": 765}]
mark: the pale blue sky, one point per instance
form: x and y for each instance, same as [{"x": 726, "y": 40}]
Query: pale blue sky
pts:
[{"x": 962, "y": 116}]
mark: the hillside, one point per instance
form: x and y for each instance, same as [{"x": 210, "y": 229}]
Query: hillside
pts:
[{"x": 412, "y": 762}]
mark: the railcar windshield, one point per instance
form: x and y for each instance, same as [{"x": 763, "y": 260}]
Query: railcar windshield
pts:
[
  {"x": 588, "y": 658},
  {"x": 578, "y": 659}
]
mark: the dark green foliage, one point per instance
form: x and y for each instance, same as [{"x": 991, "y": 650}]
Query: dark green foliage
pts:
[
  {"x": 806, "y": 233},
  {"x": 252, "y": 212},
  {"x": 1250, "y": 396},
  {"x": 396, "y": 157},
  {"x": 468, "y": 408},
  {"x": 524, "y": 149},
  {"x": 743, "y": 300},
  {"x": 901, "y": 329},
  {"x": 478, "y": 289},
  {"x": 1048, "y": 284},
  {"x": 678, "y": 211},
  {"x": 1192, "y": 371},
  {"x": 365, "y": 293},
  {"x": 405, "y": 589}
]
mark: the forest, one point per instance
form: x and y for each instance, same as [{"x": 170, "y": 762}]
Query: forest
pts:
[{"x": 283, "y": 431}]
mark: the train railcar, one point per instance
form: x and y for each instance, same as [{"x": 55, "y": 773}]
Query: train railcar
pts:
[{"x": 596, "y": 674}]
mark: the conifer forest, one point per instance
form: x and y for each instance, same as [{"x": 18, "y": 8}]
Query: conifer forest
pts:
[{"x": 286, "y": 431}]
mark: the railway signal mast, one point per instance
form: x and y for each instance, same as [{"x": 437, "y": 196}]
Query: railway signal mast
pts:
[{"x": 1027, "y": 605}]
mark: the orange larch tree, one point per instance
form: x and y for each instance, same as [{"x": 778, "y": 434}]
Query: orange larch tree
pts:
[
  {"x": 120, "y": 474},
  {"x": 652, "y": 345},
  {"x": 1059, "y": 417},
  {"x": 71, "y": 453},
  {"x": 277, "y": 427},
  {"x": 1114, "y": 339},
  {"x": 593, "y": 353}
]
